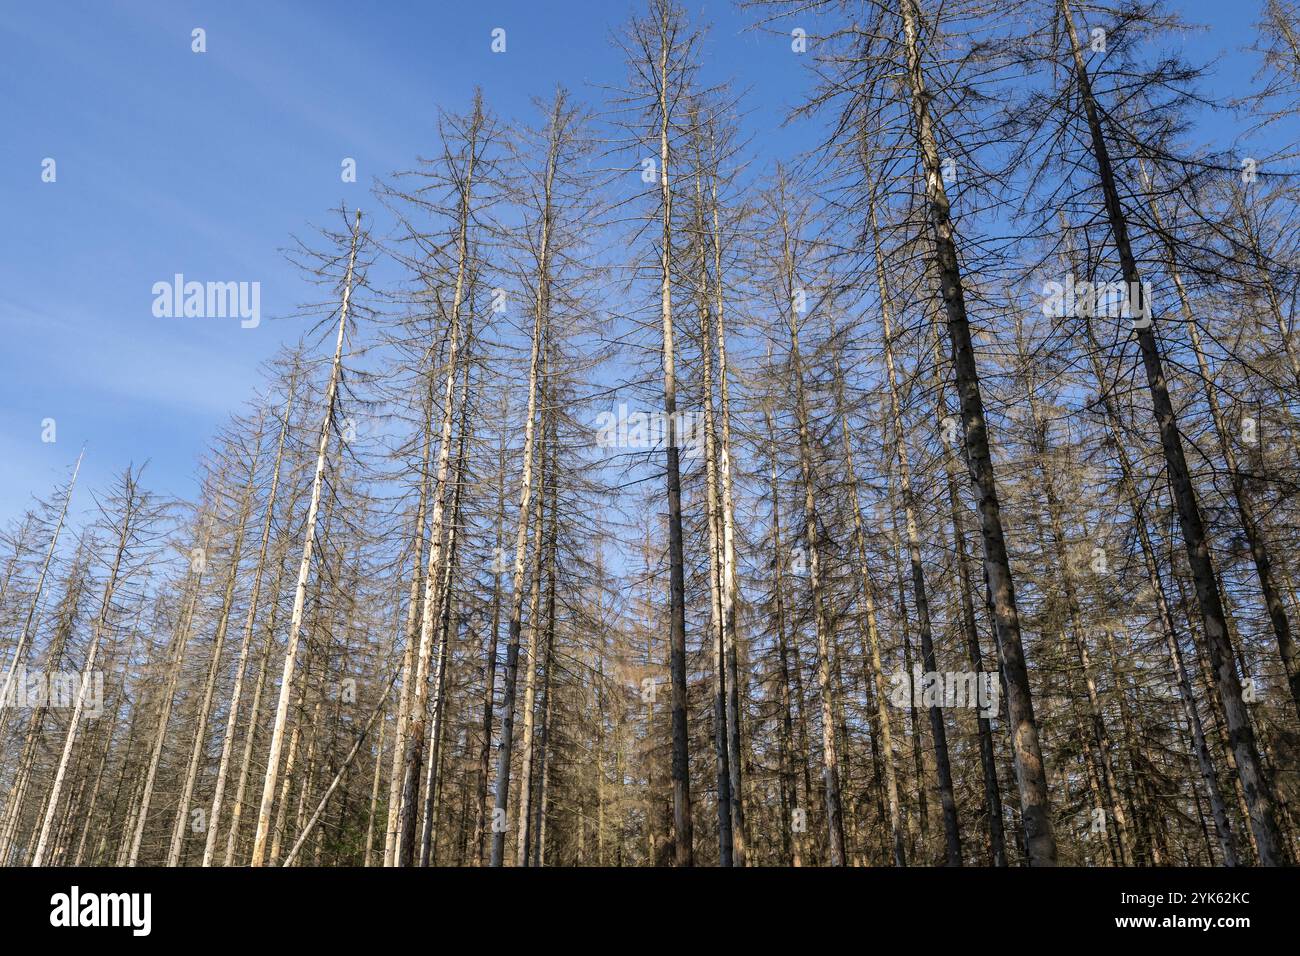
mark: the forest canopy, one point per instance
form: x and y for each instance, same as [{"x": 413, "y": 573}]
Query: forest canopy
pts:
[{"x": 629, "y": 495}]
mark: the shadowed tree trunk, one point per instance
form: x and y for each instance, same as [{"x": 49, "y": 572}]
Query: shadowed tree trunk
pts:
[
  {"x": 1040, "y": 841},
  {"x": 1218, "y": 644}
]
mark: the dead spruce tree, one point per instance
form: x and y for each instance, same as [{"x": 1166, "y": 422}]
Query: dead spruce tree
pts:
[
  {"x": 1103, "y": 134},
  {"x": 434, "y": 598},
  {"x": 351, "y": 278},
  {"x": 908, "y": 120},
  {"x": 129, "y": 516}
]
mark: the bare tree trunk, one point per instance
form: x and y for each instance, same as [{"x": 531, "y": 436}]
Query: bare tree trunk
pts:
[
  {"x": 1218, "y": 643},
  {"x": 255, "y": 711},
  {"x": 869, "y": 636},
  {"x": 541, "y": 315},
  {"x": 544, "y": 620},
  {"x": 1097, "y": 724},
  {"x": 812, "y": 532},
  {"x": 445, "y": 618},
  {"x": 392, "y": 836},
  {"x": 684, "y": 841},
  {"x": 10, "y": 823},
  {"x": 717, "y": 625},
  {"x": 1040, "y": 841},
  {"x": 1129, "y": 486},
  {"x": 988, "y": 759},
  {"x": 792, "y": 836},
  {"x": 548, "y": 664},
  {"x": 26, "y": 634},
  {"x": 127, "y": 521},
  {"x": 921, "y": 594},
  {"x": 374, "y": 796},
  {"x": 304, "y": 567},
  {"x": 1256, "y": 538},
  {"x": 536, "y": 617},
  {"x": 490, "y": 662},
  {"x": 276, "y": 834},
  {"x": 541, "y": 553},
  {"x": 431, "y": 611},
  {"x": 214, "y": 668},
  {"x": 920, "y": 829},
  {"x": 88, "y": 814},
  {"x": 730, "y": 588},
  {"x": 307, "y": 828},
  {"x": 179, "y": 643},
  {"x": 241, "y": 665}
]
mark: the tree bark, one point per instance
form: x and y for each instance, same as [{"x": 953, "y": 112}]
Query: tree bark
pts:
[
  {"x": 1218, "y": 643},
  {"x": 1040, "y": 840},
  {"x": 304, "y": 567}
]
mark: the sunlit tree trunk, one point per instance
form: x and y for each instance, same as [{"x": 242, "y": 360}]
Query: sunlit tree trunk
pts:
[
  {"x": 304, "y": 566},
  {"x": 130, "y": 506},
  {"x": 21, "y": 649},
  {"x": 214, "y": 668},
  {"x": 541, "y": 313},
  {"x": 176, "y": 659}
]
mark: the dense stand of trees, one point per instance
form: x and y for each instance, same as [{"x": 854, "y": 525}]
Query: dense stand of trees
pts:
[{"x": 637, "y": 498}]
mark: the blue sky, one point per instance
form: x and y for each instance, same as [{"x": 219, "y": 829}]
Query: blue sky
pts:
[{"x": 170, "y": 161}]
